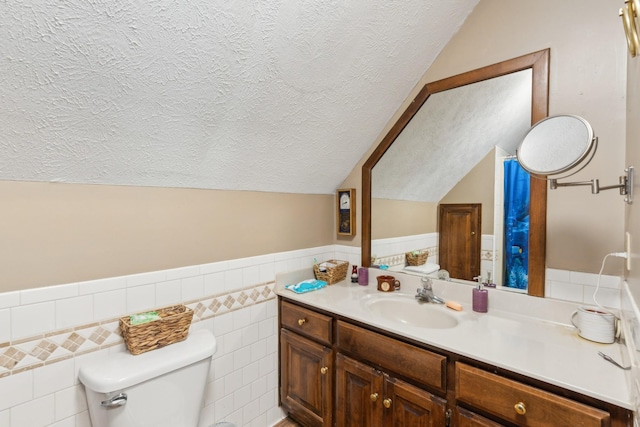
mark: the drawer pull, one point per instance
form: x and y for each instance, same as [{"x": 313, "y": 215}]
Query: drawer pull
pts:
[
  {"x": 374, "y": 397},
  {"x": 387, "y": 403},
  {"x": 520, "y": 408},
  {"x": 324, "y": 370},
  {"x": 302, "y": 321}
]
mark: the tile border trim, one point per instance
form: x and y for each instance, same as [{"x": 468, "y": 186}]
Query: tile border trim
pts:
[{"x": 56, "y": 346}]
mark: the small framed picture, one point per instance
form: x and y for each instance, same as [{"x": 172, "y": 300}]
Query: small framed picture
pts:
[{"x": 346, "y": 211}]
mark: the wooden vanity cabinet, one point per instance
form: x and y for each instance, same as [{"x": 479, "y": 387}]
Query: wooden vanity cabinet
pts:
[
  {"x": 365, "y": 396},
  {"x": 306, "y": 365},
  {"x": 335, "y": 372}
]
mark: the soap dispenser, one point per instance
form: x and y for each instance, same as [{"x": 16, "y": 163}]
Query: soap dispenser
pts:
[
  {"x": 489, "y": 283},
  {"x": 480, "y": 299}
]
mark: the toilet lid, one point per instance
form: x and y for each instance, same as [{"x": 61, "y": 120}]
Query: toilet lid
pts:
[{"x": 117, "y": 371}]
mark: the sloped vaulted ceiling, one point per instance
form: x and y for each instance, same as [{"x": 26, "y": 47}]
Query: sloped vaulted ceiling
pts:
[{"x": 259, "y": 95}]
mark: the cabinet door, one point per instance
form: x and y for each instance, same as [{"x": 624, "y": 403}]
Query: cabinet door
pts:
[
  {"x": 359, "y": 391},
  {"x": 409, "y": 406},
  {"x": 306, "y": 376}
]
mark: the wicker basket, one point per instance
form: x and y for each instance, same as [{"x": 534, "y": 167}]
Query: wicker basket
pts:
[
  {"x": 333, "y": 274},
  {"x": 417, "y": 259},
  {"x": 172, "y": 327}
]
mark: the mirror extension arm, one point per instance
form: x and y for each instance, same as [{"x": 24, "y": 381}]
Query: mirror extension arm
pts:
[{"x": 625, "y": 186}]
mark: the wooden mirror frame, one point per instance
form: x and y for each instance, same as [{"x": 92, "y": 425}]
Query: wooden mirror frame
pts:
[{"x": 538, "y": 62}]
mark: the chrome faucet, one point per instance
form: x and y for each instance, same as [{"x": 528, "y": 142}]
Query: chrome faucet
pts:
[
  {"x": 425, "y": 293},
  {"x": 444, "y": 275}
]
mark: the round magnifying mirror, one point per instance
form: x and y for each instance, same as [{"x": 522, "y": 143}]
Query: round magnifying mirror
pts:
[{"x": 556, "y": 145}]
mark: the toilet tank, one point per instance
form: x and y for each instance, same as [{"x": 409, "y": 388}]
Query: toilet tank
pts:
[{"x": 160, "y": 388}]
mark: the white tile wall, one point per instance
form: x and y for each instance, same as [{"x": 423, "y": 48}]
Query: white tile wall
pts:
[
  {"x": 32, "y": 319},
  {"x": 565, "y": 285},
  {"x": 243, "y": 381},
  {"x": 391, "y": 250},
  {"x": 382, "y": 248},
  {"x": 630, "y": 314},
  {"x": 580, "y": 287}
]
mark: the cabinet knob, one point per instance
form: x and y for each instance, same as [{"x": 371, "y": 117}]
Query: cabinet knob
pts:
[
  {"x": 520, "y": 408},
  {"x": 302, "y": 321},
  {"x": 387, "y": 403},
  {"x": 374, "y": 397},
  {"x": 324, "y": 370}
]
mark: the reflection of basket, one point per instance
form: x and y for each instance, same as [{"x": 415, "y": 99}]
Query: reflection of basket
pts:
[
  {"x": 173, "y": 326},
  {"x": 335, "y": 271},
  {"x": 417, "y": 258}
]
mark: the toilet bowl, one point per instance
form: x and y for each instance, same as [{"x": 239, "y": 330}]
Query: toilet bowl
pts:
[{"x": 160, "y": 388}]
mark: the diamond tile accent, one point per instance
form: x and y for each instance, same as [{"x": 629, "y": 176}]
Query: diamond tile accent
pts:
[
  {"x": 61, "y": 345},
  {"x": 99, "y": 335},
  {"x": 229, "y": 301},
  {"x": 488, "y": 255},
  {"x": 73, "y": 342},
  {"x": 7, "y": 362},
  {"x": 43, "y": 350},
  {"x": 242, "y": 298},
  {"x": 11, "y": 357},
  {"x": 199, "y": 309},
  {"x": 266, "y": 292},
  {"x": 215, "y": 305}
]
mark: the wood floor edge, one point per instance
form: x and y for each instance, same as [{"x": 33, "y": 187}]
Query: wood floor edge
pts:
[{"x": 287, "y": 422}]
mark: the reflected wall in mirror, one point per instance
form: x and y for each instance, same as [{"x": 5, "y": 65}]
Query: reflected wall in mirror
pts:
[{"x": 443, "y": 149}]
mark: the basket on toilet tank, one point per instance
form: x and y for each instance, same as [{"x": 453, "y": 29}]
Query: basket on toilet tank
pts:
[
  {"x": 172, "y": 326},
  {"x": 416, "y": 258}
]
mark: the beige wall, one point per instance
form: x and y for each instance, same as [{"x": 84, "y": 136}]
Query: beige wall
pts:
[
  {"x": 396, "y": 218},
  {"x": 477, "y": 187},
  {"x": 633, "y": 158},
  {"x": 587, "y": 78},
  {"x": 61, "y": 233},
  {"x": 57, "y": 233}
]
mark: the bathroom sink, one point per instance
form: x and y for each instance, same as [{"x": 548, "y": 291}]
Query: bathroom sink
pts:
[{"x": 406, "y": 310}]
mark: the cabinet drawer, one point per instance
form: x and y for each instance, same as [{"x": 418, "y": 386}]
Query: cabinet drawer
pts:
[
  {"x": 469, "y": 419},
  {"x": 401, "y": 358},
  {"x": 306, "y": 322},
  {"x": 522, "y": 404}
]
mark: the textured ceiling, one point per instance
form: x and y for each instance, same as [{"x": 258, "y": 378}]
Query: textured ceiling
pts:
[
  {"x": 266, "y": 95},
  {"x": 450, "y": 134}
]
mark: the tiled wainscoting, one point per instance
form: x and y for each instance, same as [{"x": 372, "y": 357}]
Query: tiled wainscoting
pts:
[
  {"x": 391, "y": 251},
  {"x": 47, "y": 333},
  {"x": 580, "y": 287},
  {"x": 560, "y": 284},
  {"x": 630, "y": 314}
]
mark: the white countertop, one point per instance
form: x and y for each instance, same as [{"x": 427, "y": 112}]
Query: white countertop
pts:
[{"x": 523, "y": 334}]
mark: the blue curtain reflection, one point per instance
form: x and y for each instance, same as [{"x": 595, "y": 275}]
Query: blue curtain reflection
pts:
[{"x": 516, "y": 211}]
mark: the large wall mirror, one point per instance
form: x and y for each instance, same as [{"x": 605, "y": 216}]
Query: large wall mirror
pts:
[{"x": 449, "y": 133}]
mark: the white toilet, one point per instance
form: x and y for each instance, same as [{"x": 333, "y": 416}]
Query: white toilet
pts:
[{"x": 160, "y": 388}]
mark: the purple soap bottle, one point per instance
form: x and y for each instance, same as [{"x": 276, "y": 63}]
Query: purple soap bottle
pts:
[
  {"x": 363, "y": 276},
  {"x": 480, "y": 299}
]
